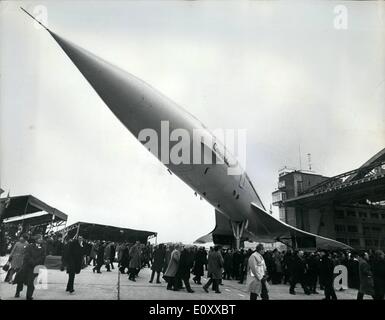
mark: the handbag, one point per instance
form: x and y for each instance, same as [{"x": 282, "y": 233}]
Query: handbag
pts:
[{"x": 6, "y": 267}]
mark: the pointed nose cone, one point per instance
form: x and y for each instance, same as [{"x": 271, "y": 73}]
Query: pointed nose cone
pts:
[{"x": 120, "y": 90}]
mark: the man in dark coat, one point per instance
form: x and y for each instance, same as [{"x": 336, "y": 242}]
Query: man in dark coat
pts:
[
  {"x": 99, "y": 257},
  {"x": 134, "y": 263},
  {"x": 312, "y": 274},
  {"x": 379, "y": 275},
  {"x": 214, "y": 269},
  {"x": 124, "y": 259},
  {"x": 353, "y": 271},
  {"x": 73, "y": 260},
  {"x": 326, "y": 275},
  {"x": 366, "y": 277},
  {"x": 237, "y": 260},
  {"x": 112, "y": 255},
  {"x": 228, "y": 265},
  {"x": 200, "y": 260},
  {"x": 298, "y": 269},
  {"x": 244, "y": 265},
  {"x": 286, "y": 265},
  {"x": 186, "y": 262},
  {"x": 159, "y": 257},
  {"x": 34, "y": 256}
]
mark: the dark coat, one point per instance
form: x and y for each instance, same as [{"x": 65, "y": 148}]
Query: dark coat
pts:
[
  {"x": 326, "y": 271},
  {"x": 215, "y": 264},
  {"x": 112, "y": 253},
  {"x": 228, "y": 262},
  {"x": 34, "y": 256},
  {"x": 353, "y": 273},
  {"x": 313, "y": 264},
  {"x": 73, "y": 257},
  {"x": 186, "y": 262},
  {"x": 100, "y": 255},
  {"x": 159, "y": 257},
  {"x": 134, "y": 257},
  {"x": 125, "y": 258},
  {"x": 379, "y": 277},
  {"x": 366, "y": 277},
  {"x": 298, "y": 267},
  {"x": 200, "y": 260}
]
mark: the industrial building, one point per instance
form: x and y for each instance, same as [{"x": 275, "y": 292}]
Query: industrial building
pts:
[{"x": 349, "y": 207}]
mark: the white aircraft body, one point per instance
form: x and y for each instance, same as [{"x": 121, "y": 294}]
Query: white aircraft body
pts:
[{"x": 238, "y": 208}]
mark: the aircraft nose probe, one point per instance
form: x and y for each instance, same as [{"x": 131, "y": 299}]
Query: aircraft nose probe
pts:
[{"x": 39, "y": 22}]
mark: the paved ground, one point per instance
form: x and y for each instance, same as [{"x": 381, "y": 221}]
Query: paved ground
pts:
[{"x": 89, "y": 285}]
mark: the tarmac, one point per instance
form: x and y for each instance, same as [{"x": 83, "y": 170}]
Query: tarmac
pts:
[{"x": 115, "y": 286}]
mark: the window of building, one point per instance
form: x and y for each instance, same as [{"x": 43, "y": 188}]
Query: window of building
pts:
[
  {"x": 339, "y": 228},
  {"x": 340, "y": 214},
  {"x": 352, "y": 229},
  {"x": 375, "y": 243},
  {"x": 368, "y": 243},
  {"x": 383, "y": 215},
  {"x": 374, "y": 215},
  {"x": 376, "y": 229},
  {"x": 366, "y": 230},
  {"x": 350, "y": 213},
  {"x": 362, "y": 214},
  {"x": 354, "y": 242}
]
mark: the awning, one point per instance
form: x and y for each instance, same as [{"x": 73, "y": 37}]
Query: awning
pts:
[
  {"x": 22, "y": 206},
  {"x": 93, "y": 231}
]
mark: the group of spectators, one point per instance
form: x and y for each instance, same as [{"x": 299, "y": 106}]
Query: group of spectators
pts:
[
  {"x": 366, "y": 270},
  {"x": 259, "y": 268}
]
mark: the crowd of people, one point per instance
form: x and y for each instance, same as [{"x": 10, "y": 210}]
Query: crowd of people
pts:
[{"x": 176, "y": 263}]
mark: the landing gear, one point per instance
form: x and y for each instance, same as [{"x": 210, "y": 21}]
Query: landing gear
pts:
[{"x": 238, "y": 229}]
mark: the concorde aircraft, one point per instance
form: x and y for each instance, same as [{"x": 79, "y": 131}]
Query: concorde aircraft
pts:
[{"x": 238, "y": 209}]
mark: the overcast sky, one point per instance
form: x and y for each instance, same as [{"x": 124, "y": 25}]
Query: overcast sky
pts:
[{"x": 281, "y": 70}]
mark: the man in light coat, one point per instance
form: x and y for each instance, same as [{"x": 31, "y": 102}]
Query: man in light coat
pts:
[
  {"x": 256, "y": 275},
  {"x": 173, "y": 265}
]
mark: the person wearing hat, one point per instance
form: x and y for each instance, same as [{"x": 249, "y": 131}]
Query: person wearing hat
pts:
[{"x": 34, "y": 256}]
